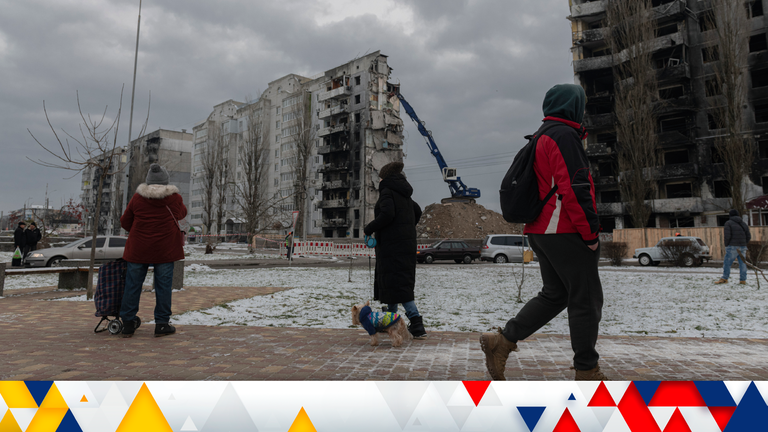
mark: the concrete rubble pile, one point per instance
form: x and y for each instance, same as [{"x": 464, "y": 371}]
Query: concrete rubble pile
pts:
[{"x": 462, "y": 220}]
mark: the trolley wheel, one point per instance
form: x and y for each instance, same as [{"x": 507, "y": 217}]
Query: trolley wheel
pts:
[{"x": 115, "y": 326}]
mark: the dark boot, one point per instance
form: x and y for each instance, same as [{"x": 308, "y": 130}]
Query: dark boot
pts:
[
  {"x": 417, "y": 328},
  {"x": 129, "y": 327},
  {"x": 164, "y": 329}
]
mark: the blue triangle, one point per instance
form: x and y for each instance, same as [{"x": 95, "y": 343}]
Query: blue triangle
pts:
[
  {"x": 69, "y": 424},
  {"x": 751, "y": 413},
  {"x": 647, "y": 389},
  {"x": 715, "y": 393},
  {"x": 571, "y": 397},
  {"x": 38, "y": 389},
  {"x": 531, "y": 415}
]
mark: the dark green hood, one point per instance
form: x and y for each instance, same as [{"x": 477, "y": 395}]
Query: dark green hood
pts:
[{"x": 565, "y": 101}]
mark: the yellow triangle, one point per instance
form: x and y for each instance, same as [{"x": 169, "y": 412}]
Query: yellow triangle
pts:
[
  {"x": 46, "y": 419},
  {"x": 84, "y": 399},
  {"x": 144, "y": 415},
  {"x": 8, "y": 424},
  {"x": 16, "y": 394},
  {"x": 54, "y": 399},
  {"x": 302, "y": 423}
]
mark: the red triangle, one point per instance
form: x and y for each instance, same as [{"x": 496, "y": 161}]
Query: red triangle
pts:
[
  {"x": 566, "y": 423},
  {"x": 722, "y": 415},
  {"x": 602, "y": 397},
  {"x": 476, "y": 389},
  {"x": 636, "y": 413},
  {"x": 677, "y": 423},
  {"x": 677, "y": 393}
]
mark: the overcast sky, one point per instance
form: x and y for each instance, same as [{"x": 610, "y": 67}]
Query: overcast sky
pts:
[{"x": 475, "y": 71}]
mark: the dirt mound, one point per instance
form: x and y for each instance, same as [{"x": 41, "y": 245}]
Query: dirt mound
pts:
[{"x": 462, "y": 220}]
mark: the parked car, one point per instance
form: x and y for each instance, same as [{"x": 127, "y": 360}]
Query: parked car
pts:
[
  {"x": 503, "y": 248},
  {"x": 108, "y": 248},
  {"x": 693, "y": 249},
  {"x": 455, "y": 250}
]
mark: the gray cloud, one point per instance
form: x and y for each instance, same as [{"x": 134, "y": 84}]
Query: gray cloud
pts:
[{"x": 474, "y": 70}]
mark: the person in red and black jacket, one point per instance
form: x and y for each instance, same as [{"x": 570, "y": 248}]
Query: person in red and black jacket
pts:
[{"x": 565, "y": 237}]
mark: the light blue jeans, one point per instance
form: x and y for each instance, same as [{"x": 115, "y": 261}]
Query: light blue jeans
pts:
[
  {"x": 410, "y": 309},
  {"x": 134, "y": 281},
  {"x": 732, "y": 254}
]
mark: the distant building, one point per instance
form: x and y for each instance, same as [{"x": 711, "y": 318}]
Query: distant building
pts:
[{"x": 111, "y": 196}]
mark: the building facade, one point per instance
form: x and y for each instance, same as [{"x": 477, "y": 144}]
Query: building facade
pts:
[
  {"x": 691, "y": 186},
  {"x": 111, "y": 196},
  {"x": 354, "y": 127}
]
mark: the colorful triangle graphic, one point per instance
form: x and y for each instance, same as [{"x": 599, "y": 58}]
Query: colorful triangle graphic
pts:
[
  {"x": 54, "y": 399},
  {"x": 84, "y": 399},
  {"x": 677, "y": 393},
  {"x": 677, "y": 423},
  {"x": 531, "y": 415},
  {"x": 9, "y": 424},
  {"x": 476, "y": 389},
  {"x": 566, "y": 423},
  {"x": 38, "y": 389},
  {"x": 751, "y": 413},
  {"x": 722, "y": 415},
  {"x": 47, "y": 419},
  {"x": 302, "y": 423},
  {"x": 144, "y": 414},
  {"x": 572, "y": 397},
  {"x": 635, "y": 412},
  {"x": 69, "y": 424},
  {"x": 647, "y": 389},
  {"x": 602, "y": 397},
  {"x": 16, "y": 395},
  {"x": 715, "y": 393}
]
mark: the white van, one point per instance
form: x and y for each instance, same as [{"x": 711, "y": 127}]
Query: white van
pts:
[{"x": 502, "y": 248}]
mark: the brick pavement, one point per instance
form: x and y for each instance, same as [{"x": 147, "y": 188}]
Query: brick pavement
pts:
[{"x": 42, "y": 340}]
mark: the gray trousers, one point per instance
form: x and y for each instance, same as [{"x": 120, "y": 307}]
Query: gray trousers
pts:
[{"x": 569, "y": 274}]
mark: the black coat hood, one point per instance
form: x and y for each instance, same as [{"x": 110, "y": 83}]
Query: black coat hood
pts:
[{"x": 397, "y": 183}]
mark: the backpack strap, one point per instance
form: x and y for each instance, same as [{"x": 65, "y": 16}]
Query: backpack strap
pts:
[{"x": 535, "y": 138}]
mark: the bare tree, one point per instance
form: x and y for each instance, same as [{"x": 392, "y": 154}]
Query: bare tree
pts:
[
  {"x": 301, "y": 155},
  {"x": 94, "y": 148},
  {"x": 729, "y": 22},
  {"x": 636, "y": 91},
  {"x": 223, "y": 179},
  {"x": 207, "y": 180}
]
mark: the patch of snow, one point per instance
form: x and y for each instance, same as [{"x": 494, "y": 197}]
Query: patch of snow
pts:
[
  {"x": 197, "y": 267},
  {"x": 83, "y": 297}
]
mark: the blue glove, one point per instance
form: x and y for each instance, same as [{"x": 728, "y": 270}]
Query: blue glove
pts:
[{"x": 370, "y": 241}]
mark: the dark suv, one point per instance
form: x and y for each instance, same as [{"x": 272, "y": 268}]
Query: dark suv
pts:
[{"x": 455, "y": 250}]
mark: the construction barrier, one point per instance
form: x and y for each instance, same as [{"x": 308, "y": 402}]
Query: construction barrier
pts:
[{"x": 329, "y": 249}]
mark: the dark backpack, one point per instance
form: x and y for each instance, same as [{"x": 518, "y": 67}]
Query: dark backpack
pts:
[{"x": 519, "y": 191}]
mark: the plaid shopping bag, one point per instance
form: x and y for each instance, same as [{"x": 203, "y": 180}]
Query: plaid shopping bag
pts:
[{"x": 109, "y": 288}]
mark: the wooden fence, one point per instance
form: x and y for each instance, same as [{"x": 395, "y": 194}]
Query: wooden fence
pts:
[{"x": 712, "y": 236}]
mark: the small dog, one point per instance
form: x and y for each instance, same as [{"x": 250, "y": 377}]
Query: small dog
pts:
[{"x": 372, "y": 322}]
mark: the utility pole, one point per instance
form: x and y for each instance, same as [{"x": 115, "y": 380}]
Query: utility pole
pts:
[{"x": 126, "y": 198}]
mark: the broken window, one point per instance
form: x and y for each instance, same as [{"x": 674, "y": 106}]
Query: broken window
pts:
[
  {"x": 670, "y": 124},
  {"x": 599, "y": 108},
  {"x": 761, "y": 113},
  {"x": 676, "y": 157},
  {"x": 672, "y": 92},
  {"x": 710, "y": 54},
  {"x": 765, "y": 186},
  {"x": 608, "y": 138},
  {"x": 666, "y": 30},
  {"x": 357, "y": 117},
  {"x": 679, "y": 190},
  {"x": 717, "y": 157},
  {"x": 712, "y": 123},
  {"x": 357, "y": 80},
  {"x": 763, "y": 149},
  {"x": 712, "y": 87},
  {"x": 613, "y": 196},
  {"x": 759, "y": 78},
  {"x": 722, "y": 189},
  {"x": 681, "y": 222},
  {"x": 707, "y": 21},
  {"x": 357, "y": 99},
  {"x": 757, "y": 43},
  {"x": 608, "y": 224},
  {"x": 605, "y": 169},
  {"x": 754, "y": 8}
]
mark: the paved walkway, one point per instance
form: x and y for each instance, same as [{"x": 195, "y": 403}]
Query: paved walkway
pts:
[{"x": 42, "y": 340}]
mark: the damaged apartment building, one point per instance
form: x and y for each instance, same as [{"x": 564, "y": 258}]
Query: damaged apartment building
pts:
[
  {"x": 356, "y": 129},
  {"x": 691, "y": 189}
]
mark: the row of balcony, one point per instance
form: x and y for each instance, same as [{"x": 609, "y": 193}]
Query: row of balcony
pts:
[
  {"x": 337, "y": 203},
  {"x": 664, "y": 172},
  {"x": 667, "y": 205},
  {"x": 338, "y": 166},
  {"x": 332, "y": 148},
  {"x": 331, "y": 111},
  {"x": 335, "y": 223},
  {"x": 341, "y": 92},
  {"x": 605, "y": 62},
  {"x": 332, "y": 129},
  {"x": 584, "y": 10}
]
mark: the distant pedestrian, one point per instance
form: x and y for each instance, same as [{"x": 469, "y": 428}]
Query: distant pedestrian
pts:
[
  {"x": 289, "y": 245},
  {"x": 20, "y": 238},
  {"x": 736, "y": 235},
  {"x": 564, "y": 237},
  {"x": 154, "y": 238},
  {"x": 33, "y": 236},
  {"x": 396, "y": 216}
]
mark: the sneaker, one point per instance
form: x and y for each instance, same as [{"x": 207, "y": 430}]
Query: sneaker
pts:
[
  {"x": 721, "y": 281},
  {"x": 742, "y": 282},
  {"x": 594, "y": 374},
  {"x": 496, "y": 348},
  {"x": 129, "y": 327},
  {"x": 164, "y": 330}
]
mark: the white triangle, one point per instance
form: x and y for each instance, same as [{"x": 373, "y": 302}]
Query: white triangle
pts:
[
  {"x": 416, "y": 422},
  {"x": 588, "y": 389},
  {"x": 3, "y": 407},
  {"x": 189, "y": 425},
  {"x": 114, "y": 414},
  {"x": 662, "y": 415},
  {"x": 490, "y": 398},
  {"x": 402, "y": 398},
  {"x": 762, "y": 387},
  {"x": 460, "y": 397},
  {"x": 699, "y": 419},
  {"x": 113, "y": 398},
  {"x": 23, "y": 416},
  {"x": 99, "y": 423},
  {"x": 617, "y": 423},
  {"x": 84, "y": 416},
  {"x": 73, "y": 392},
  {"x": 603, "y": 414},
  {"x": 129, "y": 389},
  {"x": 617, "y": 389},
  {"x": 737, "y": 389},
  {"x": 171, "y": 397},
  {"x": 445, "y": 389},
  {"x": 99, "y": 389},
  {"x": 460, "y": 414}
]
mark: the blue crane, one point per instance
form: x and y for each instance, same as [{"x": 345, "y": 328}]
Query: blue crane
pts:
[{"x": 459, "y": 191}]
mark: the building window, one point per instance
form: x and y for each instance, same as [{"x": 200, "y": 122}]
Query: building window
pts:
[
  {"x": 277, "y": 110},
  {"x": 762, "y": 147},
  {"x": 765, "y": 186},
  {"x": 712, "y": 122},
  {"x": 667, "y": 93},
  {"x": 605, "y": 169},
  {"x": 277, "y": 124},
  {"x": 277, "y": 138},
  {"x": 357, "y": 136},
  {"x": 613, "y": 196},
  {"x": 707, "y": 21},
  {"x": 357, "y": 80},
  {"x": 761, "y": 113},
  {"x": 722, "y": 189},
  {"x": 755, "y": 8},
  {"x": 276, "y": 182},
  {"x": 277, "y": 167},
  {"x": 757, "y": 43},
  {"x": 676, "y": 157},
  {"x": 679, "y": 190},
  {"x": 357, "y": 99},
  {"x": 670, "y": 124},
  {"x": 710, "y": 54},
  {"x": 712, "y": 87},
  {"x": 759, "y": 78}
]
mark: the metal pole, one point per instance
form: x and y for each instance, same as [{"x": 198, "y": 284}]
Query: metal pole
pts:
[{"x": 130, "y": 120}]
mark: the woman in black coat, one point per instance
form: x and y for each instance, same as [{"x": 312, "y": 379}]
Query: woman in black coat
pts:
[{"x": 396, "y": 216}]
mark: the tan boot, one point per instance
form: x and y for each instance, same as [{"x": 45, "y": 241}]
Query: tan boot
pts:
[
  {"x": 742, "y": 282},
  {"x": 594, "y": 374},
  {"x": 721, "y": 281},
  {"x": 496, "y": 348}
]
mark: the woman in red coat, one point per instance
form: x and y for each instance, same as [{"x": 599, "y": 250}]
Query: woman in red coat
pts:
[{"x": 154, "y": 238}]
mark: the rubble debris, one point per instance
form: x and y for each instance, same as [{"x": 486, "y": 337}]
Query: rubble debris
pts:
[{"x": 462, "y": 220}]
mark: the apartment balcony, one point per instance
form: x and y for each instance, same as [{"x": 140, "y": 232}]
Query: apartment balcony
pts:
[
  {"x": 339, "y": 166},
  {"x": 675, "y": 205},
  {"x": 674, "y": 138},
  {"x": 584, "y": 10},
  {"x": 598, "y": 149},
  {"x": 598, "y": 121},
  {"x": 337, "y": 203},
  {"x": 674, "y": 71},
  {"x": 323, "y": 150},
  {"x": 331, "y": 112},
  {"x": 335, "y": 223},
  {"x": 610, "y": 209},
  {"x": 337, "y": 93},
  {"x": 336, "y": 184},
  {"x": 590, "y": 36},
  {"x": 683, "y": 103},
  {"x": 669, "y": 10},
  {"x": 678, "y": 171},
  {"x": 592, "y": 63},
  {"x": 330, "y": 130}
]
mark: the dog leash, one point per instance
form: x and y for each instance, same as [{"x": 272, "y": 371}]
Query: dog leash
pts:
[{"x": 370, "y": 243}]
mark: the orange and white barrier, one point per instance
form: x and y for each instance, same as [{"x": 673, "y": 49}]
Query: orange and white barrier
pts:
[{"x": 325, "y": 248}]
